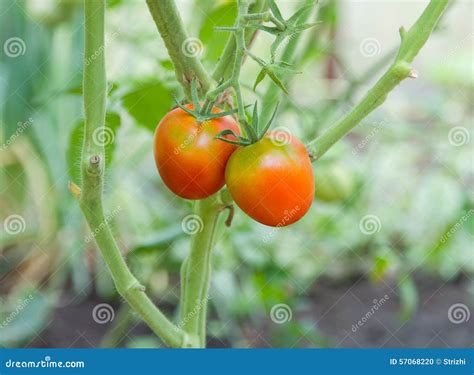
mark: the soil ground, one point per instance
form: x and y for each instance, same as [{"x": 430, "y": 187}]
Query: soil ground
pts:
[{"x": 335, "y": 308}]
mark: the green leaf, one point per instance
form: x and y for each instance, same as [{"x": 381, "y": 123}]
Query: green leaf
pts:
[
  {"x": 274, "y": 8},
  {"x": 107, "y": 138},
  {"x": 255, "y": 117},
  {"x": 148, "y": 103},
  {"x": 222, "y": 15},
  {"x": 221, "y": 114},
  {"x": 259, "y": 78},
  {"x": 278, "y": 82},
  {"x": 297, "y": 15},
  {"x": 267, "y": 126},
  {"x": 408, "y": 297},
  {"x": 270, "y": 30},
  {"x": 240, "y": 140},
  {"x": 226, "y": 132},
  {"x": 195, "y": 95},
  {"x": 380, "y": 268},
  {"x": 167, "y": 65},
  {"x": 251, "y": 133},
  {"x": 304, "y": 26}
]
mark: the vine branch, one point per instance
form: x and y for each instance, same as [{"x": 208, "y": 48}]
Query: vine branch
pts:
[
  {"x": 171, "y": 28},
  {"x": 411, "y": 43}
]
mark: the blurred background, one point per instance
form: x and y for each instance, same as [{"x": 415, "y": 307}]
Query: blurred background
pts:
[{"x": 385, "y": 256}]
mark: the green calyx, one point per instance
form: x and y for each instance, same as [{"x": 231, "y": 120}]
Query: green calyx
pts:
[
  {"x": 283, "y": 28},
  {"x": 202, "y": 113},
  {"x": 253, "y": 131},
  {"x": 272, "y": 70}
]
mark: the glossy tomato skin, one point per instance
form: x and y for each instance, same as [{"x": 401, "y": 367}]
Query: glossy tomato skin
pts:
[
  {"x": 272, "y": 181},
  {"x": 190, "y": 160}
]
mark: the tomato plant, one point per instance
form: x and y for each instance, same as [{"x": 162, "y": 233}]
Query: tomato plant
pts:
[
  {"x": 272, "y": 180},
  {"x": 190, "y": 160}
]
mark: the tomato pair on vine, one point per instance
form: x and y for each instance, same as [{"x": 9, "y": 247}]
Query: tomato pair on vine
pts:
[{"x": 270, "y": 180}]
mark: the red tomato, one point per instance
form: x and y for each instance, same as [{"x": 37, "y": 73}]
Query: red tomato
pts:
[
  {"x": 272, "y": 181},
  {"x": 190, "y": 160}
]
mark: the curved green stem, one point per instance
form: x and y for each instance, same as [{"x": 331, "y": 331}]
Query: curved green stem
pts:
[
  {"x": 171, "y": 28},
  {"x": 411, "y": 43},
  {"x": 92, "y": 173},
  {"x": 197, "y": 269}
]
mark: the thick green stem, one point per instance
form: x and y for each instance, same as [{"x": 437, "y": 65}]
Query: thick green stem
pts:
[
  {"x": 92, "y": 170},
  {"x": 184, "y": 52},
  {"x": 197, "y": 269},
  {"x": 411, "y": 43},
  {"x": 117, "y": 334}
]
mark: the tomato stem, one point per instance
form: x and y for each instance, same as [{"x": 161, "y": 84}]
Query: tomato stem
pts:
[
  {"x": 171, "y": 28},
  {"x": 411, "y": 43}
]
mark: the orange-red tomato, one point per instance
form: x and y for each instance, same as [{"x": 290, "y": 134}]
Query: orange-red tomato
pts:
[
  {"x": 272, "y": 180},
  {"x": 190, "y": 160}
]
